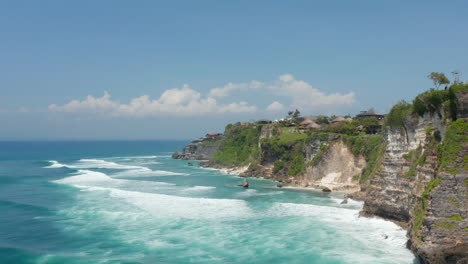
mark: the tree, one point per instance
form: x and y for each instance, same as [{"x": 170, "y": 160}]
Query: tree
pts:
[
  {"x": 456, "y": 76},
  {"x": 296, "y": 114},
  {"x": 321, "y": 120},
  {"x": 438, "y": 78}
]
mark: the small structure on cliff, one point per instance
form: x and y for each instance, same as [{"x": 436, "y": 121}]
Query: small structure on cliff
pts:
[
  {"x": 307, "y": 123},
  {"x": 212, "y": 135},
  {"x": 339, "y": 119},
  {"x": 263, "y": 122},
  {"x": 370, "y": 113}
]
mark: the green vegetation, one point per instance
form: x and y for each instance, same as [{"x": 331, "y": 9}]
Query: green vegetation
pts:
[
  {"x": 287, "y": 149},
  {"x": 430, "y": 186},
  {"x": 455, "y": 218},
  {"x": 323, "y": 148},
  {"x": 448, "y": 151},
  {"x": 352, "y": 128},
  {"x": 296, "y": 160},
  {"x": 418, "y": 221},
  {"x": 438, "y": 78},
  {"x": 430, "y": 101},
  {"x": 239, "y": 147},
  {"x": 421, "y": 211},
  {"x": 372, "y": 147},
  {"x": 287, "y": 137},
  {"x": 454, "y": 89},
  {"x": 277, "y": 166},
  {"x": 397, "y": 114},
  {"x": 415, "y": 157},
  {"x": 321, "y": 120},
  {"x": 445, "y": 225}
]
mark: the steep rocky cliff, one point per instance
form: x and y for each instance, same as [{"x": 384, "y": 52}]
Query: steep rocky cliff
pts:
[
  {"x": 201, "y": 149},
  {"x": 415, "y": 172}
]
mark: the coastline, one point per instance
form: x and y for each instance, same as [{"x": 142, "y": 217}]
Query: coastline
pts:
[{"x": 352, "y": 194}]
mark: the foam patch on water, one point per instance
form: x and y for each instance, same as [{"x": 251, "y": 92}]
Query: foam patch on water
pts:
[
  {"x": 102, "y": 164},
  {"x": 161, "y": 205},
  {"x": 200, "y": 188},
  {"x": 375, "y": 233},
  {"x": 127, "y": 170},
  {"x": 85, "y": 176},
  {"x": 55, "y": 164},
  {"x": 88, "y": 178},
  {"x": 148, "y": 173}
]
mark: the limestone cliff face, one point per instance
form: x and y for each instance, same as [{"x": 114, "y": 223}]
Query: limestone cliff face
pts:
[
  {"x": 443, "y": 235},
  {"x": 337, "y": 168},
  {"x": 392, "y": 191},
  {"x": 437, "y": 215},
  {"x": 406, "y": 184}
]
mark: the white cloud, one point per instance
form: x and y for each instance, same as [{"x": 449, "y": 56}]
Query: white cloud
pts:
[
  {"x": 180, "y": 102},
  {"x": 230, "y": 87},
  {"x": 306, "y": 97},
  {"x": 286, "y": 77},
  {"x": 188, "y": 102},
  {"x": 275, "y": 107},
  {"x": 301, "y": 94}
]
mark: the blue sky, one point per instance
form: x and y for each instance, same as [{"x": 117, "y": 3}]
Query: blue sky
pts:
[{"x": 179, "y": 69}]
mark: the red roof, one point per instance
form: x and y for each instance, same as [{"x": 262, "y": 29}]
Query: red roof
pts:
[{"x": 213, "y": 134}]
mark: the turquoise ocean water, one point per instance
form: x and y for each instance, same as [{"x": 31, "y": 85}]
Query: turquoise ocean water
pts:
[{"x": 129, "y": 202}]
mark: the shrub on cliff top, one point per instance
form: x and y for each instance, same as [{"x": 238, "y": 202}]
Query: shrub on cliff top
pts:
[
  {"x": 239, "y": 146},
  {"x": 430, "y": 101},
  {"x": 454, "y": 89},
  {"x": 397, "y": 114}
]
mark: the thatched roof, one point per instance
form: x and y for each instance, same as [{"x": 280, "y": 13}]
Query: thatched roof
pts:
[
  {"x": 338, "y": 119},
  {"x": 309, "y": 124}
]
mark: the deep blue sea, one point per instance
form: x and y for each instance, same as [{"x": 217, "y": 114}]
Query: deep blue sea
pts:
[{"x": 129, "y": 202}]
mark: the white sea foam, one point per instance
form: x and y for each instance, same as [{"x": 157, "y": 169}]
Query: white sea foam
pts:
[
  {"x": 127, "y": 170},
  {"x": 199, "y": 188},
  {"x": 89, "y": 178},
  {"x": 102, "y": 164},
  {"x": 55, "y": 164},
  {"x": 85, "y": 176},
  {"x": 147, "y": 173},
  {"x": 376, "y": 233},
  {"x": 161, "y": 205}
]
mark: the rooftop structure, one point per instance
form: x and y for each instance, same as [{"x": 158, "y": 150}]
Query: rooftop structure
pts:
[{"x": 370, "y": 113}]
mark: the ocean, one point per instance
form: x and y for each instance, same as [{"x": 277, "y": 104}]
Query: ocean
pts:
[{"x": 130, "y": 202}]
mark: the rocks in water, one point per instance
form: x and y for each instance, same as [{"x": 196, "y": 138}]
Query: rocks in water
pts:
[
  {"x": 176, "y": 155},
  {"x": 190, "y": 164},
  {"x": 326, "y": 189},
  {"x": 279, "y": 185},
  {"x": 345, "y": 201},
  {"x": 245, "y": 184}
]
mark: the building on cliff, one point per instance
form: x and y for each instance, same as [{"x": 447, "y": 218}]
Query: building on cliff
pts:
[{"x": 370, "y": 113}]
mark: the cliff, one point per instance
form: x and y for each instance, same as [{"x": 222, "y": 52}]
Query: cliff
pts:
[
  {"x": 200, "y": 149},
  {"x": 414, "y": 172}
]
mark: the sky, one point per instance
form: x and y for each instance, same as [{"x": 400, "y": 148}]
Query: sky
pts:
[{"x": 110, "y": 69}]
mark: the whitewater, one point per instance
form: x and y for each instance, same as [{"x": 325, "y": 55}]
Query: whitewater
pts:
[{"x": 122, "y": 204}]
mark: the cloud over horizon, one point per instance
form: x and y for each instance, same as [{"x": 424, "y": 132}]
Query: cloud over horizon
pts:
[{"x": 186, "y": 101}]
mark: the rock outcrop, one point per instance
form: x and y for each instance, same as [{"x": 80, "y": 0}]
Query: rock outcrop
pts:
[
  {"x": 415, "y": 173},
  {"x": 461, "y": 103},
  {"x": 201, "y": 149},
  {"x": 327, "y": 172}
]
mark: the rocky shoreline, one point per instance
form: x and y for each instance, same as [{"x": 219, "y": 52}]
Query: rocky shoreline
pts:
[{"x": 414, "y": 174}]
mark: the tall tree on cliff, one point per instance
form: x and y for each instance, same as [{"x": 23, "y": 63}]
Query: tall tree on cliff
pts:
[{"x": 438, "y": 78}]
